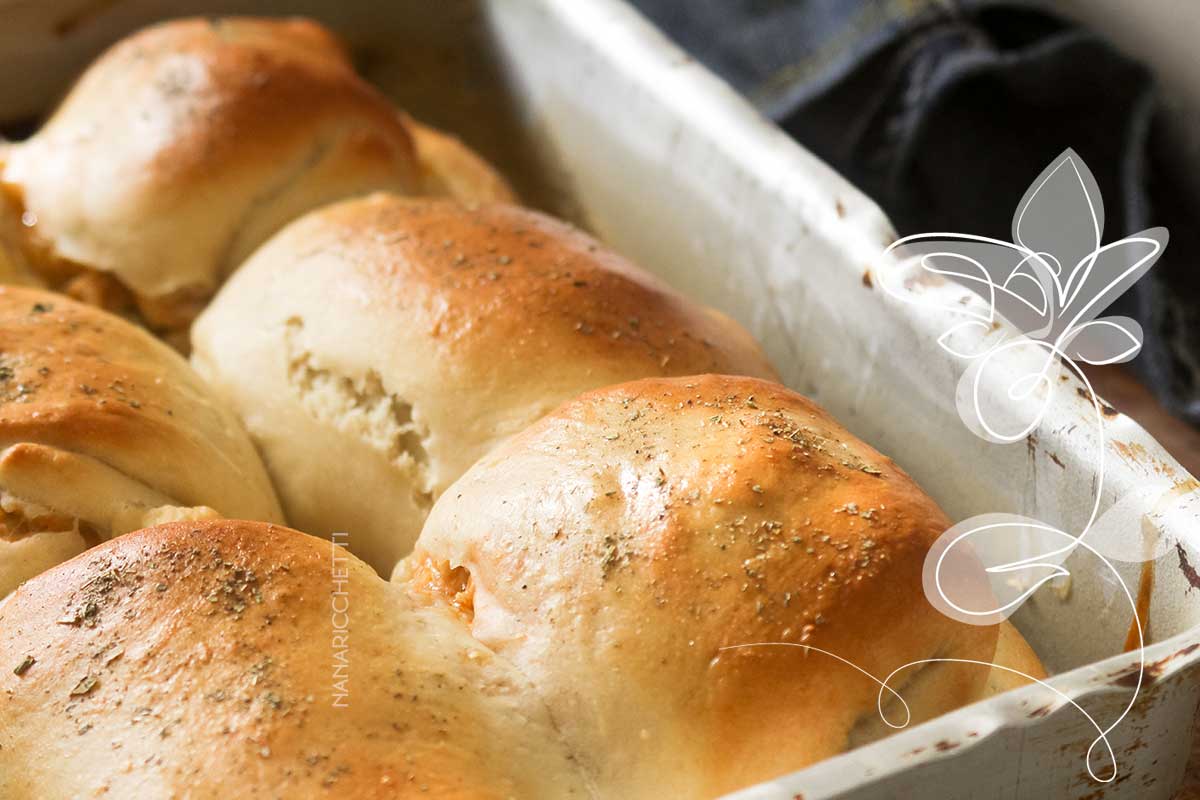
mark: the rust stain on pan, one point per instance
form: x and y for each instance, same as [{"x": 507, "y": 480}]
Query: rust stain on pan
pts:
[
  {"x": 1130, "y": 451},
  {"x": 1105, "y": 790},
  {"x": 1129, "y": 678},
  {"x": 1137, "y": 744},
  {"x": 1135, "y": 454},
  {"x": 1185, "y": 566},
  {"x": 1154, "y": 670},
  {"x": 1105, "y": 408},
  {"x": 1164, "y": 469}
]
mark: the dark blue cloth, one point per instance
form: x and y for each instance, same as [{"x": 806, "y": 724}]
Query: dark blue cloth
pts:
[{"x": 945, "y": 112}]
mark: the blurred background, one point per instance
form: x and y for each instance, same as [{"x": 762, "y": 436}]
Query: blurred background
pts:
[{"x": 944, "y": 112}]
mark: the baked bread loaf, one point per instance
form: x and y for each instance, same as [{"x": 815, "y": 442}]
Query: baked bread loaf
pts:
[
  {"x": 560, "y": 632},
  {"x": 448, "y": 168},
  {"x": 208, "y": 669},
  {"x": 104, "y": 430},
  {"x": 377, "y": 347},
  {"x": 186, "y": 145},
  {"x": 14, "y": 267},
  {"x": 614, "y": 549}
]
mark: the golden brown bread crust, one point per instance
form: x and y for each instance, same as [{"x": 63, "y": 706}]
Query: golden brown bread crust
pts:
[
  {"x": 615, "y": 547},
  {"x": 228, "y": 129},
  {"x": 197, "y": 659},
  {"x": 14, "y": 267},
  {"x": 451, "y": 169},
  {"x": 103, "y": 424},
  {"x": 1013, "y": 653},
  {"x": 404, "y": 338},
  {"x": 558, "y": 633}
]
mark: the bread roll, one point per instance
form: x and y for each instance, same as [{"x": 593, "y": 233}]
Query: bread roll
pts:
[
  {"x": 207, "y": 667},
  {"x": 13, "y": 271},
  {"x": 376, "y": 348},
  {"x": 560, "y": 632},
  {"x": 451, "y": 169},
  {"x": 104, "y": 430},
  {"x": 186, "y": 145},
  {"x": 615, "y": 548},
  {"x": 1015, "y": 661},
  {"x": 14, "y": 267}
]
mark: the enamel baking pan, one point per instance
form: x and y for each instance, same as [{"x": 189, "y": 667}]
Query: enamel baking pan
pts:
[{"x": 598, "y": 118}]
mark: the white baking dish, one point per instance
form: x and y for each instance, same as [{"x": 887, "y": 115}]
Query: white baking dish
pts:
[{"x": 600, "y": 119}]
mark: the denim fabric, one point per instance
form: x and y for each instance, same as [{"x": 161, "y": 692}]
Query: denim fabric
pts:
[{"x": 944, "y": 112}]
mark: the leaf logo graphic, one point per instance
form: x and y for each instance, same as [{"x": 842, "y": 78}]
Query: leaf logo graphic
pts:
[
  {"x": 1053, "y": 280},
  {"x": 1042, "y": 295},
  {"x": 1041, "y": 299}
]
